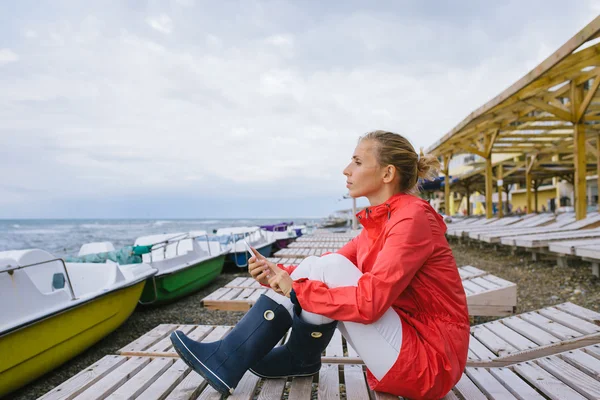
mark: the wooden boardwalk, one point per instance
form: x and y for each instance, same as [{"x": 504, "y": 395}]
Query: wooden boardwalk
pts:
[
  {"x": 148, "y": 368},
  {"x": 487, "y": 295}
]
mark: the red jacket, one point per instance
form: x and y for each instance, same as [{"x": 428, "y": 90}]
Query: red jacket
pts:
[{"x": 407, "y": 264}]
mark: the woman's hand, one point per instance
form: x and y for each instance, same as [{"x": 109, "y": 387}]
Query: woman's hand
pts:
[
  {"x": 280, "y": 280},
  {"x": 258, "y": 268},
  {"x": 269, "y": 274}
]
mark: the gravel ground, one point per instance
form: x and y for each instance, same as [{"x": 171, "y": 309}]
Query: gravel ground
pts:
[{"x": 540, "y": 284}]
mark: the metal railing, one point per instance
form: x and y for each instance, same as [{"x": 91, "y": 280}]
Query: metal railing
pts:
[{"x": 10, "y": 270}]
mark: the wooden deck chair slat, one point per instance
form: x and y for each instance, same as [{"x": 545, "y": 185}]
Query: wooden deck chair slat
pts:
[
  {"x": 572, "y": 322},
  {"x": 189, "y": 387},
  {"x": 581, "y": 312},
  {"x": 515, "y": 384},
  {"x": 492, "y": 341},
  {"x": 488, "y": 384},
  {"x": 114, "y": 379},
  {"x": 530, "y": 331},
  {"x": 560, "y": 331},
  {"x": 583, "y": 361},
  {"x": 301, "y": 388},
  {"x": 150, "y": 338},
  {"x": 329, "y": 382},
  {"x": 166, "y": 382},
  {"x": 83, "y": 380},
  {"x": 571, "y": 376},
  {"x": 164, "y": 344},
  {"x": 546, "y": 383},
  {"x": 515, "y": 339},
  {"x": 356, "y": 385},
  {"x": 137, "y": 384},
  {"x": 468, "y": 390},
  {"x": 272, "y": 389},
  {"x": 594, "y": 350},
  {"x": 480, "y": 350}
]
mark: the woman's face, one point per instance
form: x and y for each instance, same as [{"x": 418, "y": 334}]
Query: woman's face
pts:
[{"x": 364, "y": 175}]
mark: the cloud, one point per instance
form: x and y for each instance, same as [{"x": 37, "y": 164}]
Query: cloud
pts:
[
  {"x": 243, "y": 100},
  {"x": 8, "y": 56},
  {"x": 161, "y": 23}
]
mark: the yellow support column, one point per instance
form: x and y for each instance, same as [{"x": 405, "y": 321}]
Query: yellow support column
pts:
[
  {"x": 580, "y": 167},
  {"x": 528, "y": 186},
  {"x": 598, "y": 168},
  {"x": 489, "y": 184},
  {"x": 447, "y": 210},
  {"x": 499, "y": 173},
  {"x": 579, "y": 153}
]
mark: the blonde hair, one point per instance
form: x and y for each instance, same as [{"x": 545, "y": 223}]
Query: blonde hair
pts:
[{"x": 394, "y": 149}]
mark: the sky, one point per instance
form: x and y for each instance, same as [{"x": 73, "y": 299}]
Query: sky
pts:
[{"x": 202, "y": 109}]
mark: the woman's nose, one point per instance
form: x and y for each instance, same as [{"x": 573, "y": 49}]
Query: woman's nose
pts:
[{"x": 346, "y": 171}]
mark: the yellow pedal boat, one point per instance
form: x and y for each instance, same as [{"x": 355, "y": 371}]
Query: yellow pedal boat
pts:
[{"x": 52, "y": 310}]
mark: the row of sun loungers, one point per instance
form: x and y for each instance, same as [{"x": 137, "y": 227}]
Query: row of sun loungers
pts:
[{"x": 560, "y": 236}]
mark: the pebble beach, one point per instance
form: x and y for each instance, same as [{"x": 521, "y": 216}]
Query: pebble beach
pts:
[{"x": 539, "y": 284}]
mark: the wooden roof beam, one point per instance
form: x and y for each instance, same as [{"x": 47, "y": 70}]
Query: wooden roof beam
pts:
[
  {"x": 559, "y": 112},
  {"x": 588, "y": 99}
]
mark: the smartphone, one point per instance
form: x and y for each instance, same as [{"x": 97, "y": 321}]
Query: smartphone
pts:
[{"x": 248, "y": 247}]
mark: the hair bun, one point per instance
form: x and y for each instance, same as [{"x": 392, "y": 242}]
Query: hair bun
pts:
[{"x": 428, "y": 166}]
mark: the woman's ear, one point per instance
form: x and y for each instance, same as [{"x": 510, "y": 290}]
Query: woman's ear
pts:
[{"x": 390, "y": 174}]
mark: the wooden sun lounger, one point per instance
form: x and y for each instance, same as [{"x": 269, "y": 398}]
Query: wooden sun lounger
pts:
[
  {"x": 586, "y": 249},
  {"x": 523, "y": 225},
  {"x": 543, "y": 240},
  {"x": 587, "y": 224},
  {"x": 457, "y": 230},
  {"x": 295, "y": 252},
  {"x": 568, "y": 247},
  {"x": 148, "y": 368},
  {"x": 317, "y": 244},
  {"x": 497, "y": 224},
  {"x": 487, "y": 295},
  {"x": 556, "y": 226}
]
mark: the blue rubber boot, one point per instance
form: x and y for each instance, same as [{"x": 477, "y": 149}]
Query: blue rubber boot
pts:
[
  {"x": 223, "y": 363},
  {"x": 300, "y": 355}
]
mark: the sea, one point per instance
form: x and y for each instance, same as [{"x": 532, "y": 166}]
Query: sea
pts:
[{"x": 64, "y": 237}]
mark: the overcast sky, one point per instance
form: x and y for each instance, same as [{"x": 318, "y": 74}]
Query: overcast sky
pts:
[{"x": 189, "y": 108}]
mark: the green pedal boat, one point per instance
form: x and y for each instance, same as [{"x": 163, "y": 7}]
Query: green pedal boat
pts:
[{"x": 186, "y": 262}]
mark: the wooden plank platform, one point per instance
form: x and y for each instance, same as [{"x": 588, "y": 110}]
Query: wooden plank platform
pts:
[
  {"x": 543, "y": 240},
  {"x": 574, "y": 374},
  {"x": 295, "y": 252},
  {"x": 314, "y": 244},
  {"x": 487, "y": 295},
  {"x": 533, "y": 334},
  {"x": 568, "y": 247},
  {"x": 494, "y": 344}
]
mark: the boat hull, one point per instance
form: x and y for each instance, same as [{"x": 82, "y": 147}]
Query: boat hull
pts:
[
  {"x": 170, "y": 287},
  {"x": 283, "y": 243},
  {"x": 240, "y": 259},
  {"x": 31, "y": 351}
]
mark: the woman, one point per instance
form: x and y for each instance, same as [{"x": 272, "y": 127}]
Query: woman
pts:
[{"x": 394, "y": 289}]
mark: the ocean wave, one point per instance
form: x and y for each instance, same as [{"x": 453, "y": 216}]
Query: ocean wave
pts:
[
  {"x": 16, "y": 226},
  {"x": 210, "y": 221},
  {"x": 38, "y": 231},
  {"x": 161, "y": 223}
]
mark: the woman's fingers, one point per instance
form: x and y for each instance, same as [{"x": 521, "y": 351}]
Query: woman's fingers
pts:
[{"x": 257, "y": 255}]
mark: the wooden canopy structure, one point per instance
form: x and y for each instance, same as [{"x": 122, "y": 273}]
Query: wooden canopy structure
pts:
[{"x": 549, "y": 120}]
